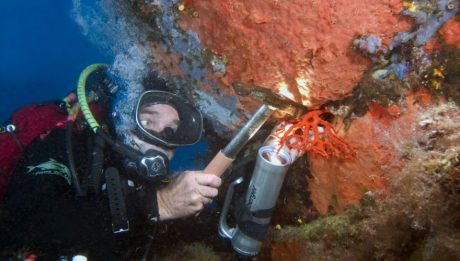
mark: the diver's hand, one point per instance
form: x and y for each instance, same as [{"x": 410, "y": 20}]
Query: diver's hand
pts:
[{"x": 187, "y": 194}]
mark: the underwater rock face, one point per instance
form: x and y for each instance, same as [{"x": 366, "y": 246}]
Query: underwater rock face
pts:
[
  {"x": 418, "y": 219},
  {"x": 297, "y": 49},
  {"x": 381, "y": 140},
  {"x": 237, "y": 54},
  {"x": 450, "y": 32}
]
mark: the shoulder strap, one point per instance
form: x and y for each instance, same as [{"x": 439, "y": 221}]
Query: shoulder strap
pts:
[{"x": 120, "y": 222}]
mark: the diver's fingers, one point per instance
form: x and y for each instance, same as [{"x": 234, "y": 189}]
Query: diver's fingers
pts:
[
  {"x": 208, "y": 192},
  {"x": 207, "y": 179},
  {"x": 206, "y": 200}
]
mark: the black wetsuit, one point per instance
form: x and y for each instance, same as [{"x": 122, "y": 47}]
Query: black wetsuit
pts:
[{"x": 41, "y": 213}]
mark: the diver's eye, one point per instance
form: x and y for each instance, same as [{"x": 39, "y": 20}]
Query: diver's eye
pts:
[
  {"x": 167, "y": 133},
  {"x": 144, "y": 123}
]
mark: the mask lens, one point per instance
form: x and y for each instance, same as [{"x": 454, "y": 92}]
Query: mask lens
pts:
[
  {"x": 167, "y": 119},
  {"x": 159, "y": 120}
]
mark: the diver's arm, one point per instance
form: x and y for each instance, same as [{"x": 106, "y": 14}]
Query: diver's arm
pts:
[{"x": 187, "y": 194}]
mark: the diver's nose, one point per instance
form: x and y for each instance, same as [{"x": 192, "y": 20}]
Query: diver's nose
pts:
[{"x": 167, "y": 133}]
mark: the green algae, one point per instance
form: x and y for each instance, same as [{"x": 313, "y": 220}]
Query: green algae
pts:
[{"x": 339, "y": 227}]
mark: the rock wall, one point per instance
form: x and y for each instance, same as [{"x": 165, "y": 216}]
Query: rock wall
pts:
[
  {"x": 237, "y": 54},
  {"x": 360, "y": 59}
]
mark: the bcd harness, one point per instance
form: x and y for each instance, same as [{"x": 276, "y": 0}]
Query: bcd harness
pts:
[{"x": 92, "y": 181}]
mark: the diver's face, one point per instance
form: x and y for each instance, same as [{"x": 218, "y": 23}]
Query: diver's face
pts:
[
  {"x": 159, "y": 117},
  {"x": 162, "y": 119},
  {"x": 143, "y": 146}
]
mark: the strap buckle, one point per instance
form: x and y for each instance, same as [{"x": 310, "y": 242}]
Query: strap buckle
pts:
[{"x": 119, "y": 230}]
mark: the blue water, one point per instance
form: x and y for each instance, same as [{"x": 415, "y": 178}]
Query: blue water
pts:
[{"x": 42, "y": 52}]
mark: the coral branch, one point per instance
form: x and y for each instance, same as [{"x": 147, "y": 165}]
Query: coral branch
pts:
[{"x": 311, "y": 133}]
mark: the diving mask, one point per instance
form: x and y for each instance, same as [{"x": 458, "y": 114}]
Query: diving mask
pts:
[{"x": 166, "y": 119}]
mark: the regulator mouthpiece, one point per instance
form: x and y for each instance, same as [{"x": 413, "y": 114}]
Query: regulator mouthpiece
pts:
[{"x": 254, "y": 211}]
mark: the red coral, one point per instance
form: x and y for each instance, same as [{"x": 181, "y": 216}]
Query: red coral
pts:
[
  {"x": 450, "y": 32},
  {"x": 311, "y": 133}
]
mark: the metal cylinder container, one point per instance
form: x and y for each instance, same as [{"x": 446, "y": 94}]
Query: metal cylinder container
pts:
[{"x": 259, "y": 201}]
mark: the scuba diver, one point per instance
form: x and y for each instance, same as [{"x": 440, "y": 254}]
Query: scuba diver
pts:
[{"x": 76, "y": 190}]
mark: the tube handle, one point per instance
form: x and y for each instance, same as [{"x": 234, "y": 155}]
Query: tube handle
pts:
[
  {"x": 225, "y": 157},
  {"x": 224, "y": 230},
  {"x": 218, "y": 164}
]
